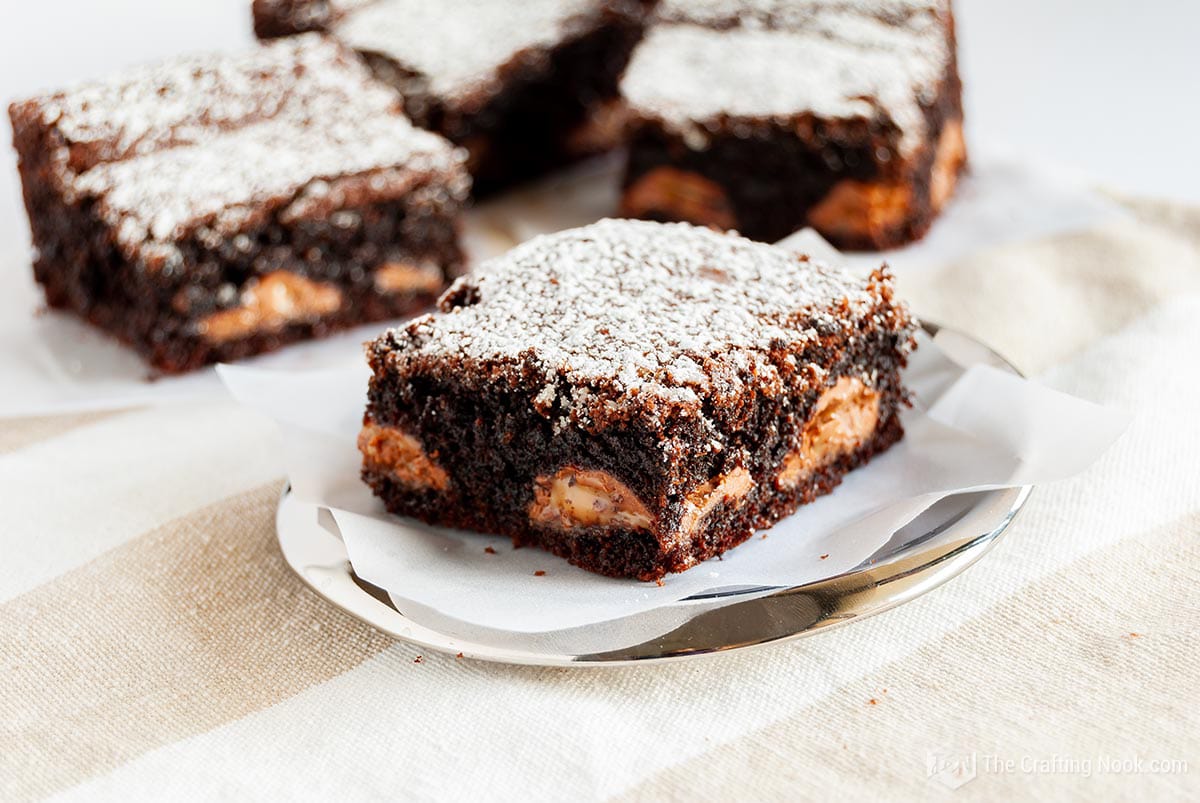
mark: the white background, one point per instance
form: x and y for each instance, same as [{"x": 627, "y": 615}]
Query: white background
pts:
[{"x": 1105, "y": 86}]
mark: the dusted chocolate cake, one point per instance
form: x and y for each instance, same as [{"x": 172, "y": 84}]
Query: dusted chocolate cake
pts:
[
  {"x": 768, "y": 115},
  {"x": 525, "y": 86},
  {"x": 633, "y": 396},
  {"x": 209, "y": 208}
]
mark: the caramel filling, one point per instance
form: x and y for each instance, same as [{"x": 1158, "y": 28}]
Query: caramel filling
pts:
[
  {"x": 951, "y": 154},
  {"x": 725, "y": 489},
  {"x": 401, "y": 455},
  {"x": 576, "y": 497},
  {"x": 854, "y": 207},
  {"x": 679, "y": 195},
  {"x": 270, "y": 303},
  {"x": 401, "y": 277},
  {"x": 858, "y": 207},
  {"x": 845, "y": 417}
]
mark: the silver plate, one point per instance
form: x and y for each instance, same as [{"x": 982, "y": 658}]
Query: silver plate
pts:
[{"x": 939, "y": 544}]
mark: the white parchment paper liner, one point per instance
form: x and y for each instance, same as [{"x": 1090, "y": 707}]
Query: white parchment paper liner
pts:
[{"x": 972, "y": 428}]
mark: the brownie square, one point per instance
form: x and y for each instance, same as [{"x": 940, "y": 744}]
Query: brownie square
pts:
[
  {"x": 765, "y": 116},
  {"x": 633, "y": 396},
  {"x": 525, "y": 87},
  {"x": 209, "y": 208}
]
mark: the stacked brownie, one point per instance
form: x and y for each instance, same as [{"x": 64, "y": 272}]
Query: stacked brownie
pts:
[
  {"x": 768, "y": 115},
  {"x": 634, "y": 396},
  {"x": 205, "y": 209},
  {"x": 524, "y": 86}
]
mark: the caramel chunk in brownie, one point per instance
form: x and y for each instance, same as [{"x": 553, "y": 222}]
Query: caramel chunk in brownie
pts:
[
  {"x": 270, "y": 303},
  {"x": 400, "y": 456},
  {"x": 403, "y": 277},
  {"x": 845, "y": 417},
  {"x": 586, "y": 498},
  {"x": 948, "y": 163},
  {"x": 727, "y": 489},
  {"x": 673, "y": 194}
]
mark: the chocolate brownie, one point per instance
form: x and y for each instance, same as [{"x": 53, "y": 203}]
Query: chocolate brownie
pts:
[
  {"x": 634, "y": 396},
  {"x": 768, "y": 115},
  {"x": 525, "y": 86},
  {"x": 210, "y": 208}
]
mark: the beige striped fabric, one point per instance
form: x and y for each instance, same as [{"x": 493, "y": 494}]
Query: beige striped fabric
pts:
[{"x": 154, "y": 645}]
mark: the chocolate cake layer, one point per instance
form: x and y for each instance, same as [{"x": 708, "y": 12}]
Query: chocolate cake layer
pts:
[
  {"x": 765, "y": 116},
  {"x": 209, "y": 208},
  {"x": 525, "y": 87},
  {"x": 633, "y": 396}
]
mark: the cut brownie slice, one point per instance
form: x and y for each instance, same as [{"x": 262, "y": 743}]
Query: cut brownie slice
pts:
[
  {"x": 524, "y": 86},
  {"x": 209, "y": 208},
  {"x": 634, "y": 396},
  {"x": 768, "y": 115}
]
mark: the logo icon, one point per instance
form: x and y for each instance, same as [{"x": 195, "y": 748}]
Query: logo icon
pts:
[{"x": 950, "y": 768}]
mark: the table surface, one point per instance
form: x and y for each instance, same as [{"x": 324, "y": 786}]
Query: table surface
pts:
[{"x": 1102, "y": 86}]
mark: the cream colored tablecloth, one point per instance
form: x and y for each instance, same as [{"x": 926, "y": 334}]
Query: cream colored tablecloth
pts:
[{"x": 153, "y": 645}]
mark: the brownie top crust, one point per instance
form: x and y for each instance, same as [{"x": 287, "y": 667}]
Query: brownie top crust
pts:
[
  {"x": 706, "y": 63},
  {"x": 624, "y": 318},
  {"x": 218, "y": 142},
  {"x": 457, "y": 49}
]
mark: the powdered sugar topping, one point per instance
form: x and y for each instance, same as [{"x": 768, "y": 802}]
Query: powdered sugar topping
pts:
[
  {"x": 457, "y": 46},
  {"x": 624, "y": 312},
  {"x": 189, "y": 99},
  {"x": 874, "y": 60},
  {"x": 159, "y": 195},
  {"x": 217, "y": 140}
]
